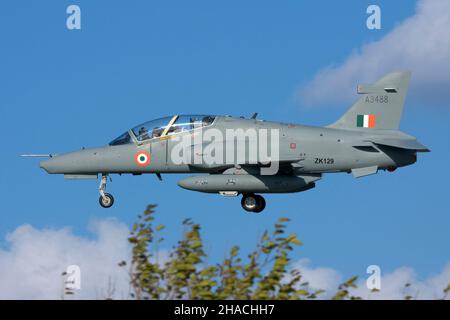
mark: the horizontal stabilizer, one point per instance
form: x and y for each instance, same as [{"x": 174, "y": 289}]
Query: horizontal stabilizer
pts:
[{"x": 409, "y": 144}]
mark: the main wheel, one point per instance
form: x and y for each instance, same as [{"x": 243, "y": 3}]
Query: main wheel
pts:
[
  {"x": 261, "y": 204},
  {"x": 107, "y": 201},
  {"x": 253, "y": 203},
  {"x": 249, "y": 202}
]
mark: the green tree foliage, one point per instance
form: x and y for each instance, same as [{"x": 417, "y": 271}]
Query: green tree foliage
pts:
[
  {"x": 344, "y": 290},
  {"x": 185, "y": 273}
]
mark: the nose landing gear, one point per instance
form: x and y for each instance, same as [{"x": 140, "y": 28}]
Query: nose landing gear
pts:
[
  {"x": 253, "y": 203},
  {"x": 106, "y": 200}
]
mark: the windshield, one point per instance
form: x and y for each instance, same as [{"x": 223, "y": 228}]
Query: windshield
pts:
[
  {"x": 123, "y": 139},
  {"x": 189, "y": 122},
  {"x": 151, "y": 129},
  {"x": 174, "y": 124}
]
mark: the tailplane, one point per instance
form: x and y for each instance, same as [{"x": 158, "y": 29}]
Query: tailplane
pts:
[{"x": 380, "y": 106}]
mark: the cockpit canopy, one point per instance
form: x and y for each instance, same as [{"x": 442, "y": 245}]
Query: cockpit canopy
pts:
[{"x": 164, "y": 126}]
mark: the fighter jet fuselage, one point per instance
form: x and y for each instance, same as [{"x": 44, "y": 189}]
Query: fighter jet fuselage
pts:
[
  {"x": 312, "y": 149},
  {"x": 232, "y": 155}
]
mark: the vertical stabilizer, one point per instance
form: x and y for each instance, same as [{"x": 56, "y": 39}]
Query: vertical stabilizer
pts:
[{"x": 380, "y": 105}]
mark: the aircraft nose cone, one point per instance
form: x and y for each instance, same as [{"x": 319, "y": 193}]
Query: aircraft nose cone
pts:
[
  {"x": 44, "y": 164},
  {"x": 50, "y": 165},
  {"x": 65, "y": 163},
  {"x": 85, "y": 161}
]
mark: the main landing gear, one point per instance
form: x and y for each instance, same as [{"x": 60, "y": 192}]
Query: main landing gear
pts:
[
  {"x": 106, "y": 200},
  {"x": 253, "y": 203}
]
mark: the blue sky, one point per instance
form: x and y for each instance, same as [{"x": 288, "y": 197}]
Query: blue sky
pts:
[{"x": 135, "y": 61}]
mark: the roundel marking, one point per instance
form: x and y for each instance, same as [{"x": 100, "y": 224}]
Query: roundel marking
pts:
[{"x": 142, "y": 158}]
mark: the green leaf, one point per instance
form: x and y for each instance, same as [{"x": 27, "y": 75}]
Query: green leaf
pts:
[{"x": 447, "y": 289}]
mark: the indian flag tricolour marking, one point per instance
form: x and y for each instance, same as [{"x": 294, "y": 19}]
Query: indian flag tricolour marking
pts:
[{"x": 366, "y": 121}]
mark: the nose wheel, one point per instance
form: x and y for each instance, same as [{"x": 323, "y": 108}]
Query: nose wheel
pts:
[
  {"x": 253, "y": 203},
  {"x": 106, "y": 200}
]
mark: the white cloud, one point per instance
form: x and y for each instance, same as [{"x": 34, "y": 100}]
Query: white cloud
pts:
[
  {"x": 31, "y": 266},
  {"x": 323, "y": 278},
  {"x": 393, "y": 285},
  {"x": 421, "y": 44}
]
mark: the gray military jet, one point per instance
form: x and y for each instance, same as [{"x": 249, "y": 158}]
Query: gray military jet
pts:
[{"x": 364, "y": 140}]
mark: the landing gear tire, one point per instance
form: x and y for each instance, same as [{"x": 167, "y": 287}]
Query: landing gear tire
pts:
[
  {"x": 253, "y": 203},
  {"x": 106, "y": 200},
  {"x": 261, "y": 204}
]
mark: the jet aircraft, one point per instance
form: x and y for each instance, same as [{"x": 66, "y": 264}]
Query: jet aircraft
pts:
[{"x": 363, "y": 141}]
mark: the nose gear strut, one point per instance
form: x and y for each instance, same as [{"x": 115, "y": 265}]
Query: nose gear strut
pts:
[{"x": 106, "y": 200}]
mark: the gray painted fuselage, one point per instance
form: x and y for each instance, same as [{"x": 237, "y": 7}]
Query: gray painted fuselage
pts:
[{"x": 309, "y": 148}]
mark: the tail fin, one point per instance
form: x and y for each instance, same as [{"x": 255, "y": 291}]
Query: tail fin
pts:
[{"x": 380, "y": 105}]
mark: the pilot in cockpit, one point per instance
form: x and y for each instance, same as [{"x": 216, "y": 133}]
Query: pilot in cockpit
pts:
[
  {"x": 157, "y": 132},
  {"x": 143, "y": 133},
  {"x": 206, "y": 121}
]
